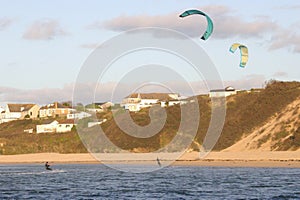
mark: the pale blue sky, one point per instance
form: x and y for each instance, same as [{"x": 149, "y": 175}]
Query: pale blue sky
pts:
[{"x": 52, "y": 59}]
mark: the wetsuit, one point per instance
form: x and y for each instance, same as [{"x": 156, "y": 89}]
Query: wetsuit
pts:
[{"x": 47, "y": 166}]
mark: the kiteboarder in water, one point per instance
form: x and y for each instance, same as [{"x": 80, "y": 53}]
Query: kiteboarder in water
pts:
[
  {"x": 47, "y": 166},
  {"x": 158, "y": 162}
]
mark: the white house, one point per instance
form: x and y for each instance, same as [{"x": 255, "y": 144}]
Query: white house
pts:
[
  {"x": 170, "y": 103},
  {"x": 19, "y": 111},
  {"x": 78, "y": 115},
  {"x": 47, "y": 128},
  {"x": 91, "y": 124},
  {"x": 56, "y": 126},
  {"x": 65, "y": 126},
  {"x": 30, "y": 130},
  {"x": 179, "y": 101},
  {"x": 136, "y": 101},
  {"x": 1, "y": 109},
  {"x": 222, "y": 92},
  {"x": 2, "y": 114}
]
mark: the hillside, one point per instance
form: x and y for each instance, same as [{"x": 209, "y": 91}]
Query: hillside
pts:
[
  {"x": 15, "y": 141},
  {"x": 266, "y": 120},
  {"x": 280, "y": 132},
  {"x": 246, "y": 113},
  {"x": 249, "y": 112}
]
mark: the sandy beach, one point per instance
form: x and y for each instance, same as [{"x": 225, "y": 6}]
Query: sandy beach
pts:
[{"x": 226, "y": 159}]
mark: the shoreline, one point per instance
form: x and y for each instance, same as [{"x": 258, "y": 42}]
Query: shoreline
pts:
[{"x": 289, "y": 159}]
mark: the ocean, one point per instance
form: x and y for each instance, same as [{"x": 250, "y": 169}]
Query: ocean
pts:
[{"x": 95, "y": 181}]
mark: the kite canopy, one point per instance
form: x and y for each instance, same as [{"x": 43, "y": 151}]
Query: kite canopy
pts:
[
  {"x": 209, "y": 28},
  {"x": 243, "y": 51}
]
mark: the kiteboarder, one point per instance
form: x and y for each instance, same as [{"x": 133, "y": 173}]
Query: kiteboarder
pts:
[
  {"x": 47, "y": 166},
  {"x": 158, "y": 162}
]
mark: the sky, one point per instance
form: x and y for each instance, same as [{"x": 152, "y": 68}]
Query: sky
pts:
[{"x": 44, "y": 44}]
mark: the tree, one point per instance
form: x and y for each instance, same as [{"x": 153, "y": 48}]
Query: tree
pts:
[{"x": 79, "y": 107}]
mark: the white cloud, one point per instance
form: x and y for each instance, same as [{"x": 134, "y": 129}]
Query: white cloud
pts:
[
  {"x": 248, "y": 82},
  {"x": 39, "y": 96},
  {"x": 86, "y": 92},
  {"x": 5, "y": 23},
  {"x": 288, "y": 7},
  {"x": 226, "y": 24},
  {"x": 286, "y": 39},
  {"x": 90, "y": 46},
  {"x": 280, "y": 74},
  {"x": 44, "y": 30}
]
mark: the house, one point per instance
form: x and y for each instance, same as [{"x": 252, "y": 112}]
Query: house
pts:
[
  {"x": 19, "y": 111},
  {"x": 179, "y": 101},
  {"x": 2, "y": 114},
  {"x": 78, "y": 115},
  {"x": 106, "y": 105},
  {"x": 30, "y": 130},
  {"x": 91, "y": 124},
  {"x": 1, "y": 109},
  {"x": 136, "y": 101},
  {"x": 65, "y": 126},
  {"x": 47, "y": 128},
  {"x": 55, "y": 110},
  {"x": 222, "y": 92},
  {"x": 98, "y": 107},
  {"x": 56, "y": 126}
]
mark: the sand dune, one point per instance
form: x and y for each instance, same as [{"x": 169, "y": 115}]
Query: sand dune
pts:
[{"x": 255, "y": 140}]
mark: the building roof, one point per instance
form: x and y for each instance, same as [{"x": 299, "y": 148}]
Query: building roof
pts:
[
  {"x": 100, "y": 104},
  {"x": 66, "y": 121},
  {"x": 159, "y": 96},
  {"x": 19, "y": 107},
  {"x": 227, "y": 89}
]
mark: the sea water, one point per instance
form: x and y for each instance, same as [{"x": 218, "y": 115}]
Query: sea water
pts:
[{"x": 95, "y": 181}]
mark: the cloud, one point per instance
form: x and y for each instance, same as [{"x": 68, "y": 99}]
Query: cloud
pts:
[
  {"x": 44, "y": 30},
  {"x": 233, "y": 26},
  {"x": 91, "y": 92},
  {"x": 226, "y": 24},
  {"x": 90, "y": 46},
  {"x": 286, "y": 38},
  {"x": 280, "y": 74},
  {"x": 288, "y": 7},
  {"x": 39, "y": 96},
  {"x": 5, "y": 23},
  {"x": 247, "y": 82}
]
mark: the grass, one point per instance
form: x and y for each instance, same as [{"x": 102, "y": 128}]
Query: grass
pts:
[
  {"x": 245, "y": 112},
  {"x": 263, "y": 140},
  {"x": 253, "y": 109}
]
